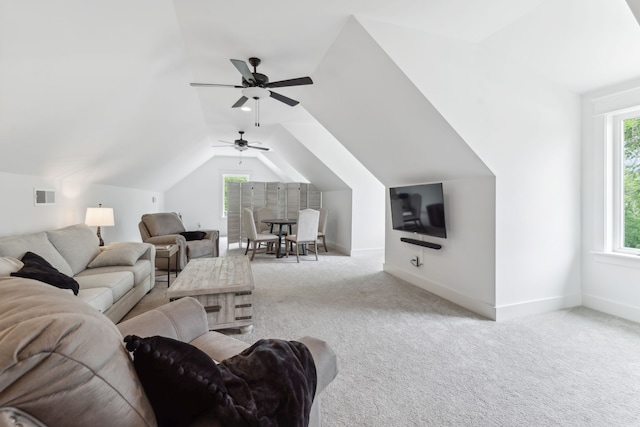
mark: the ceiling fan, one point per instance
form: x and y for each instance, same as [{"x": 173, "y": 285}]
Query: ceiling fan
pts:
[
  {"x": 242, "y": 144},
  {"x": 256, "y": 86}
]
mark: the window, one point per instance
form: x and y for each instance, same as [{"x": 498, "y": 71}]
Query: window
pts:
[
  {"x": 226, "y": 179},
  {"x": 625, "y": 197}
]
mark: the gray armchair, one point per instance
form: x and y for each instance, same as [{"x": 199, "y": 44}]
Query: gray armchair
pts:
[{"x": 165, "y": 229}]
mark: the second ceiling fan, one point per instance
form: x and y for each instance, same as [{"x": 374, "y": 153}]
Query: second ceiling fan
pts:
[
  {"x": 256, "y": 86},
  {"x": 242, "y": 144}
]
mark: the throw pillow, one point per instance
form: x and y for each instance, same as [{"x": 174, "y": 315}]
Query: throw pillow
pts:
[
  {"x": 180, "y": 380},
  {"x": 37, "y": 268},
  {"x": 193, "y": 235},
  {"x": 115, "y": 256},
  {"x": 9, "y": 265},
  {"x": 119, "y": 253}
]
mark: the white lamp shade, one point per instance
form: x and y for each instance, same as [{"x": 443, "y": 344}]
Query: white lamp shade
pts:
[{"x": 99, "y": 217}]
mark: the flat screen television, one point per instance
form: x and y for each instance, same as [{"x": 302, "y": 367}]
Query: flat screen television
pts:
[{"x": 418, "y": 209}]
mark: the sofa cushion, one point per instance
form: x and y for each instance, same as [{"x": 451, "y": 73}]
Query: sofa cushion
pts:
[
  {"x": 141, "y": 270},
  {"x": 37, "y": 268},
  {"x": 161, "y": 224},
  {"x": 9, "y": 264},
  {"x": 125, "y": 253},
  {"x": 99, "y": 298},
  {"x": 17, "y": 246},
  {"x": 120, "y": 282},
  {"x": 52, "y": 364},
  {"x": 78, "y": 244}
]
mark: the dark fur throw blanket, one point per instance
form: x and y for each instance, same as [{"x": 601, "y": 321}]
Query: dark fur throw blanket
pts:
[{"x": 270, "y": 384}]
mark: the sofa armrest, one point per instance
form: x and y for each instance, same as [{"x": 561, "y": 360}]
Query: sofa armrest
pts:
[
  {"x": 183, "y": 319},
  {"x": 214, "y": 235},
  {"x": 150, "y": 253},
  {"x": 219, "y": 346},
  {"x": 167, "y": 239},
  {"x": 325, "y": 360}
]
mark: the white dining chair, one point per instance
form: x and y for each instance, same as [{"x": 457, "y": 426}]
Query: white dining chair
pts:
[
  {"x": 307, "y": 232},
  {"x": 263, "y": 213},
  {"x": 253, "y": 237},
  {"x": 322, "y": 227}
]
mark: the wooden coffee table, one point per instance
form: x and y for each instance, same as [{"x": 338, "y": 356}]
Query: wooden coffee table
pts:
[{"x": 223, "y": 285}]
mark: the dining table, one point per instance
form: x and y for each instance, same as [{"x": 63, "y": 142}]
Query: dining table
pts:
[{"x": 281, "y": 223}]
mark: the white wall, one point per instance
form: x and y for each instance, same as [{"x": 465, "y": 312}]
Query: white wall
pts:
[
  {"x": 339, "y": 219},
  {"x": 19, "y": 215},
  {"x": 198, "y": 197},
  {"x": 475, "y": 116},
  {"x": 402, "y": 139},
  {"x": 609, "y": 282},
  {"x": 366, "y": 195},
  {"x": 463, "y": 271}
]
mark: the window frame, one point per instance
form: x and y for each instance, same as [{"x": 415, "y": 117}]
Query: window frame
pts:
[{"x": 616, "y": 185}]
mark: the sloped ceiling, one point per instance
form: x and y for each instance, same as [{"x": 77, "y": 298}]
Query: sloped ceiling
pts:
[
  {"x": 99, "y": 91},
  {"x": 394, "y": 122}
]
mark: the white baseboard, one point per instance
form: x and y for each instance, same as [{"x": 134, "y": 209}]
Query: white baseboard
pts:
[
  {"x": 482, "y": 308},
  {"x": 470, "y": 303},
  {"x": 368, "y": 252},
  {"x": 351, "y": 252},
  {"x": 528, "y": 308},
  {"x": 611, "y": 307},
  {"x": 338, "y": 248}
]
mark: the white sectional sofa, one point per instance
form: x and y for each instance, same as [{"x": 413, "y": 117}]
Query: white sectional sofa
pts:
[{"x": 112, "y": 279}]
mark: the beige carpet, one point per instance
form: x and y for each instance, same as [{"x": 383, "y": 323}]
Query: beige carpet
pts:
[{"x": 409, "y": 358}]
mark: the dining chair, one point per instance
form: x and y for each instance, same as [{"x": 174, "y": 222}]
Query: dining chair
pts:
[
  {"x": 261, "y": 214},
  {"x": 322, "y": 227},
  {"x": 307, "y": 232},
  {"x": 262, "y": 228},
  {"x": 254, "y": 238}
]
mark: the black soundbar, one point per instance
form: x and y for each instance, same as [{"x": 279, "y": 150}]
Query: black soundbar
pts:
[{"x": 421, "y": 243}]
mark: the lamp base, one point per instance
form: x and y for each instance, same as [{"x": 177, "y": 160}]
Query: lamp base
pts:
[{"x": 100, "y": 237}]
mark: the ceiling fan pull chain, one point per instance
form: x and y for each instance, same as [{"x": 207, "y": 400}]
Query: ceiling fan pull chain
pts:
[{"x": 257, "y": 111}]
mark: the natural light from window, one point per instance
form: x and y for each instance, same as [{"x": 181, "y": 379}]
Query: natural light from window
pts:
[
  {"x": 625, "y": 197},
  {"x": 226, "y": 179}
]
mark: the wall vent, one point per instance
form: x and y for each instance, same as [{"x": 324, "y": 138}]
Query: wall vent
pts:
[{"x": 44, "y": 197}]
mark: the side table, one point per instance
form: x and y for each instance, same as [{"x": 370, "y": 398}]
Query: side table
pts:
[{"x": 168, "y": 251}]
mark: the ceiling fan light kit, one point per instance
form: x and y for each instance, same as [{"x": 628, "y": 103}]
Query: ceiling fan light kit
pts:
[
  {"x": 255, "y": 86},
  {"x": 255, "y": 92}
]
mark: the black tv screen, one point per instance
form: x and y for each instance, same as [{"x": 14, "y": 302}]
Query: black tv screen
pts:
[{"x": 418, "y": 209}]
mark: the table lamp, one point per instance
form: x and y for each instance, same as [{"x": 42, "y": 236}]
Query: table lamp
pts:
[{"x": 99, "y": 217}]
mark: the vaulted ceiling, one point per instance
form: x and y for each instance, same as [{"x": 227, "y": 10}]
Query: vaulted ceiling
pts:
[{"x": 99, "y": 91}]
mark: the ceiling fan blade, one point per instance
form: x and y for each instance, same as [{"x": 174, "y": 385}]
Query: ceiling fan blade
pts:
[
  {"x": 240, "y": 102},
  {"x": 292, "y": 82},
  {"x": 282, "y": 98},
  {"x": 212, "y": 85},
  {"x": 226, "y": 142},
  {"x": 244, "y": 70},
  {"x": 258, "y": 148}
]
